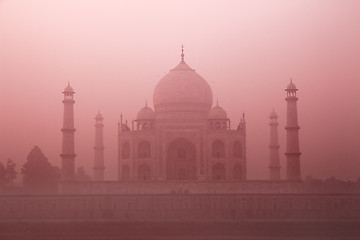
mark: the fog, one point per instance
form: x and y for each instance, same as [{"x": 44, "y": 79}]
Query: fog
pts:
[{"x": 114, "y": 52}]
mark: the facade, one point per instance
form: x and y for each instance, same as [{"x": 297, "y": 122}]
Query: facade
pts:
[
  {"x": 171, "y": 160},
  {"x": 185, "y": 138}
]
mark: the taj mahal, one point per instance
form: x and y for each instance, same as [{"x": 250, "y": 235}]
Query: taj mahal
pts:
[
  {"x": 185, "y": 137},
  {"x": 184, "y": 161}
]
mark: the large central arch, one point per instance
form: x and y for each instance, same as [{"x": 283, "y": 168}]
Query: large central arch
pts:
[{"x": 181, "y": 160}]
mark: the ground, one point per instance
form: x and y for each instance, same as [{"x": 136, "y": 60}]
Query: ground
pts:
[{"x": 249, "y": 230}]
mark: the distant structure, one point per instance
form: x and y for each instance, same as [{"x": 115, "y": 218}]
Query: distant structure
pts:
[
  {"x": 274, "y": 164},
  {"x": 184, "y": 138},
  {"x": 183, "y": 162},
  {"x": 292, "y": 135},
  {"x": 99, "y": 166},
  {"x": 68, "y": 130}
]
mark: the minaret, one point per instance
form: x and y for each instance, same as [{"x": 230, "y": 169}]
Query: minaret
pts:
[
  {"x": 274, "y": 165},
  {"x": 99, "y": 149},
  {"x": 292, "y": 135},
  {"x": 68, "y": 143},
  {"x": 242, "y": 128}
]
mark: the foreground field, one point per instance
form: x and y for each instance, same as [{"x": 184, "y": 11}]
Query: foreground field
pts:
[{"x": 249, "y": 230}]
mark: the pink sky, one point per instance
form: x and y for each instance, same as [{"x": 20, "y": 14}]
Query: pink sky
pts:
[{"x": 114, "y": 53}]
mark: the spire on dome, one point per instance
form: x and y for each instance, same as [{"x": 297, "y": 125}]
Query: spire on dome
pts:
[
  {"x": 273, "y": 115},
  {"x": 291, "y": 86},
  {"x": 182, "y": 53},
  {"x": 99, "y": 116},
  {"x": 68, "y": 90}
]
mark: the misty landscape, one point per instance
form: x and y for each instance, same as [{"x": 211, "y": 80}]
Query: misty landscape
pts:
[{"x": 179, "y": 119}]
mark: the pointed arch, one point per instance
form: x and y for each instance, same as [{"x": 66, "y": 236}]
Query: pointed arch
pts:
[
  {"x": 144, "y": 172},
  {"x": 237, "y": 172},
  {"x": 237, "y": 149},
  {"x": 125, "y": 150},
  {"x": 181, "y": 160},
  {"x": 218, "y": 172},
  {"x": 125, "y": 173},
  {"x": 218, "y": 149},
  {"x": 144, "y": 150}
]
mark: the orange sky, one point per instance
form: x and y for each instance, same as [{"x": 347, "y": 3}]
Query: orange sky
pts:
[{"x": 114, "y": 53}]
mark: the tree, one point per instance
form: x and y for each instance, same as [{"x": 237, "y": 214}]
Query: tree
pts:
[
  {"x": 38, "y": 173},
  {"x": 2, "y": 173},
  {"x": 10, "y": 173}
]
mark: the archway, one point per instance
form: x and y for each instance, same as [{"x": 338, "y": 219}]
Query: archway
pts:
[
  {"x": 144, "y": 172},
  {"x": 237, "y": 149},
  {"x": 125, "y": 151},
  {"x": 218, "y": 149},
  {"x": 181, "y": 160},
  {"x": 144, "y": 150},
  {"x": 238, "y": 172},
  {"x": 218, "y": 172},
  {"x": 125, "y": 173}
]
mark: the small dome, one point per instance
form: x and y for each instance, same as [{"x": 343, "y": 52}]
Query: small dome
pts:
[
  {"x": 291, "y": 86},
  {"x": 217, "y": 113},
  {"x": 68, "y": 89},
  {"x": 273, "y": 114},
  {"x": 99, "y": 116},
  {"x": 145, "y": 113}
]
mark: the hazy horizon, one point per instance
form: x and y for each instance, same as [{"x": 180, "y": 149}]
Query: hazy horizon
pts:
[{"x": 113, "y": 53}]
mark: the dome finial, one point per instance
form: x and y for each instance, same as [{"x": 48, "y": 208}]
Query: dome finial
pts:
[
  {"x": 217, "y": 102},
  {"x": 273, "y": 115},
  {"x": 182, "y": 52},
  {"x": 145, "y": 103}
]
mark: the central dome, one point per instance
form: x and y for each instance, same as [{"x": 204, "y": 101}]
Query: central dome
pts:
[{"x": 182, "y": 91}]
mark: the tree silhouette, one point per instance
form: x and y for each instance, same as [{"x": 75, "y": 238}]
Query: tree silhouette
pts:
[
  {"x": 38, "y": 173},
  {"x": 8, "y": 172},
  {"x": 2, "y": 173}
]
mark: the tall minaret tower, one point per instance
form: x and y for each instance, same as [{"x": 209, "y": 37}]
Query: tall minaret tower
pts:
[
  {"x": 68, "y": 143},
  {"x": 292, "y": 135},
  {"x": 99, "y": 149},
  {"x": 274, "y": 165}
]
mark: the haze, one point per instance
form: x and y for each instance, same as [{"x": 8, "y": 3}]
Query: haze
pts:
[{"x": 114, "y": 52}]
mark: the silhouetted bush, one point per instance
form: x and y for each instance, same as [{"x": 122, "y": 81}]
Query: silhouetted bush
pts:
[{"x": 39, "y": 174}]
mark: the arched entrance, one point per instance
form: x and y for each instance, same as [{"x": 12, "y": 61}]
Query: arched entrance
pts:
[
  {"x": 238, "y": 172},
  {"x": 144, "y": 172},
  {"x": 218, "y": 172},
  {"x": 237, "y": 150},
  {"x": 125, "y": 151},
  {"x": 144, "y": 150},
  {"x": 218, "y": 149},
  {"x": 181, "y": 160},
  {"x": 125, "y": 173}
]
